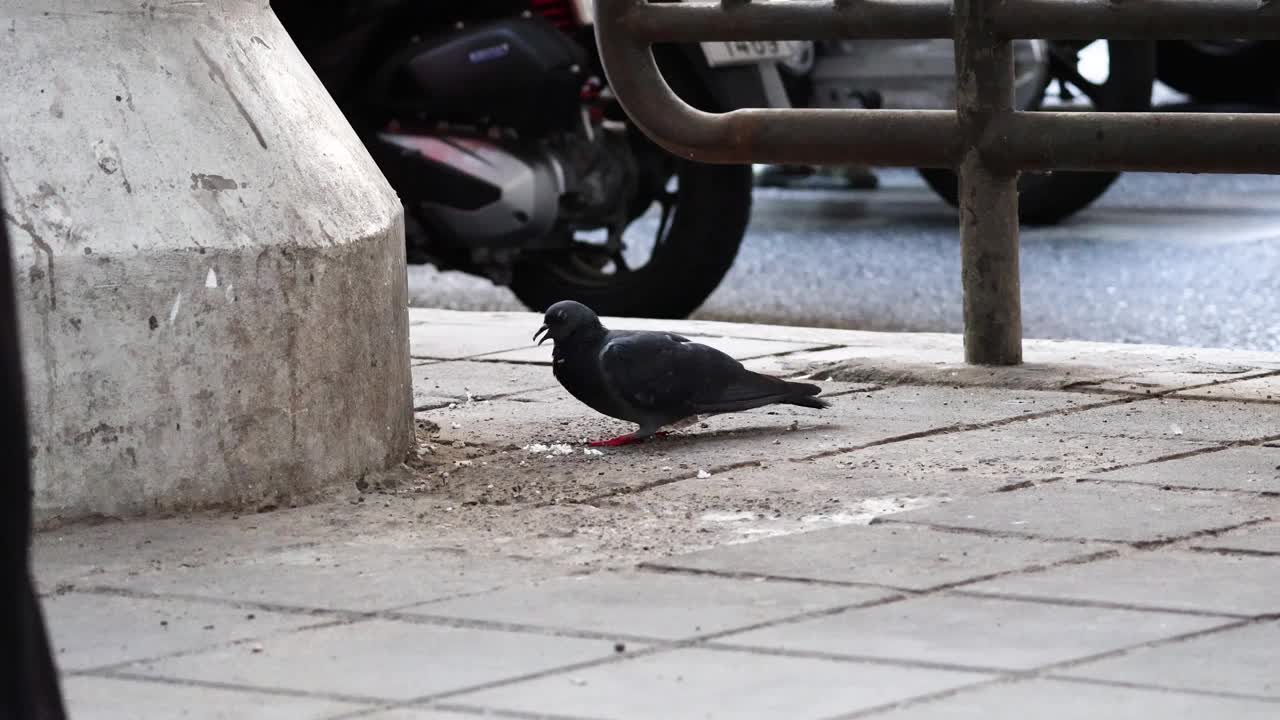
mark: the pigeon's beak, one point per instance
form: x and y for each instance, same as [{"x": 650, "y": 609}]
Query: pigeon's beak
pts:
[{"x": 541, "y": 330}]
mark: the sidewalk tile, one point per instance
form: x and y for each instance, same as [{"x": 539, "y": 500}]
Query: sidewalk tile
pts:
[
  {"x": 446, "y": 382},
  {"x": 93, "y": 630},
  {"x": 99, "y": 698},
  {"x": 1061, "y": 700},
  {"x": 1242, "y": 660},
  {"x": 381, "y": 659},
  {"x": 1170, "y": 579},
  {"x": 85, "y": 554},
  {"x": 903, "y": 556},
  {"x": 784, "y": 496},
  {"x": 336, "y": 576},
  {"x": 740, "y": 348},
  {"x": 1250, "y": 468},
  {"x": 1182, "y": 419},
  {"x": 697, "y": 684},
  {"x": 657, "y": 605},
  {"x": 982, "y": 633},
  {"x": 1265, "y": 389},
  {"x": 1166, "y": 379},
  {"x": 1090, "y": 510},
  {"x": 467, "y": 338},
  {"x": 1263, "y": 539}
]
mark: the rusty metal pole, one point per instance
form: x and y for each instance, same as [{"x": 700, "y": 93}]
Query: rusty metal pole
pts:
[{"x": 988, "y": 191}]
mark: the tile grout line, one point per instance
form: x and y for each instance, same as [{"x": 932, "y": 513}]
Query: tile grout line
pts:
[
  {"x": 340, "y": 617},
  {"x": 1232, "y": 552},
  {"x": 1222, "y": 694},
  {"x": 235, "y": 687},
  {"x": 852, "y": 659},
  {"x": 1183, "y": 489},
  {"x": 460, "y": 401},
  {"x": 888, "y": 520},
  {"x": 1260, "y": 375},
  {"x": 498, "y": 712},
  {"x": 1045, "y": 671},
  {"x": 1100, "y": 604},
  {"x": 481, "y": 711},
  {"x": 214, "y": 647}
]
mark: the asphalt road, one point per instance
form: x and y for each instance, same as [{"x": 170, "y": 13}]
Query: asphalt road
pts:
[{"x": 1171, "y": 259}]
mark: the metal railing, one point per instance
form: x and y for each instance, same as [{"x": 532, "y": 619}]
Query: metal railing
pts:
[{"x": 985, "y": 139}]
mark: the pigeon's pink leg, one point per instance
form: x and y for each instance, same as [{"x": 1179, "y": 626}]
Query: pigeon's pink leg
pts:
[{"x": 628, "y": 439}]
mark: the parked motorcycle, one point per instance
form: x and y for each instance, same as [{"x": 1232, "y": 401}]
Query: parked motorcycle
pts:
[
  {"x": 909, "y": 74},
  {"x": 1221, "y": 71},
  {"x": 495, "y": 123}
]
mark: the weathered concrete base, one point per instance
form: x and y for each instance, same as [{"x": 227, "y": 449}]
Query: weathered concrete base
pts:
[
  {"x": 211, "y": 267},
  {"x": 252, "y": 393}
]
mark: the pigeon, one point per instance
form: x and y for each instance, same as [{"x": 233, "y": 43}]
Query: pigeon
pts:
[{"x": 654, "y": 379}]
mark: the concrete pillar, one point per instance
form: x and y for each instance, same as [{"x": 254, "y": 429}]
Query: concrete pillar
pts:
[{"x": 210, "y": 267}]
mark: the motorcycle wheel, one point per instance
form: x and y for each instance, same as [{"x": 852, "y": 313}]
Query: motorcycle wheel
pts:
[
  {"x": 700, "y": 226},
  {"x": 1220, "y": 72},
  {"x": 1047, "y": 198}
]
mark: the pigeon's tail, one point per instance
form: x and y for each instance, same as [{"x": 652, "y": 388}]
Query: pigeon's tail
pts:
[
  {"x": 805, "y": 395},
  {"x": 754, "y": 390}
]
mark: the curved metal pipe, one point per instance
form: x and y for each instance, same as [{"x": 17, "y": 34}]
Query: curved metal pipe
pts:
[{"x": 899, "y": 138}]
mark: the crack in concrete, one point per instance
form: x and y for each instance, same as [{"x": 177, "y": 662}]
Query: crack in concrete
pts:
[{"x": 1016, "y": 534}]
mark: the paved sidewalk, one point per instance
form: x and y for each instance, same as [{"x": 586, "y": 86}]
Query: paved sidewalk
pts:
[{"x": 1094, "y": 535}]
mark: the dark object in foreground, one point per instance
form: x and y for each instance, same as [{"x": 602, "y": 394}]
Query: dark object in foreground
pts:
[
  {"x": 655, "y": 379},
  {"x": 29, "y": 685}
]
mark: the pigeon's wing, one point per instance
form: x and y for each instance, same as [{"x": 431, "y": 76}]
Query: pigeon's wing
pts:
[
  {"x": 657, "y": 374},
  {"x": 632, "y": 333},
  {"x": 661, "y": 373}
]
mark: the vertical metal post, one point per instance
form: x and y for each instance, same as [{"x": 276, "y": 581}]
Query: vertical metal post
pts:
[{"x": 988, "y": 194}]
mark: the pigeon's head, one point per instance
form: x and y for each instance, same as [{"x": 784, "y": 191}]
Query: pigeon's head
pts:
[{"x": 564, "y": 319}]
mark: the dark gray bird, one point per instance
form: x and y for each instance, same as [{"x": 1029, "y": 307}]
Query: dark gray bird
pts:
[{"x": 654, "y": 379}]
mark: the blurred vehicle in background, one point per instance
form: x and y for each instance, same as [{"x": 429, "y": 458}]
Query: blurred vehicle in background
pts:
[
  {"x": 1221, "y": 71},
  {"x": 495, "y": 123},
  {"x": 920, "y": 74}
]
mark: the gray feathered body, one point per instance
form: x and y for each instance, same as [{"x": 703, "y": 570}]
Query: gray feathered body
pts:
[{"x": 657, "y": 379}]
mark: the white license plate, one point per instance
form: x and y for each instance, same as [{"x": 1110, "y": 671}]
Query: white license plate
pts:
[{"x": 745, "y": 53}]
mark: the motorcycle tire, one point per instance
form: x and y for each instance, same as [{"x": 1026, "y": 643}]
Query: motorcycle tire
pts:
[
  {"x": 707, "y": 225},
  {"x": 1220, "y": 73},
  {"x": 1048, "y": 198}
]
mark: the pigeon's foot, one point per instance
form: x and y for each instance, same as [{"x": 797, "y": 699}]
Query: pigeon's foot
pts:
[{"x": 628, "y": 439}]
